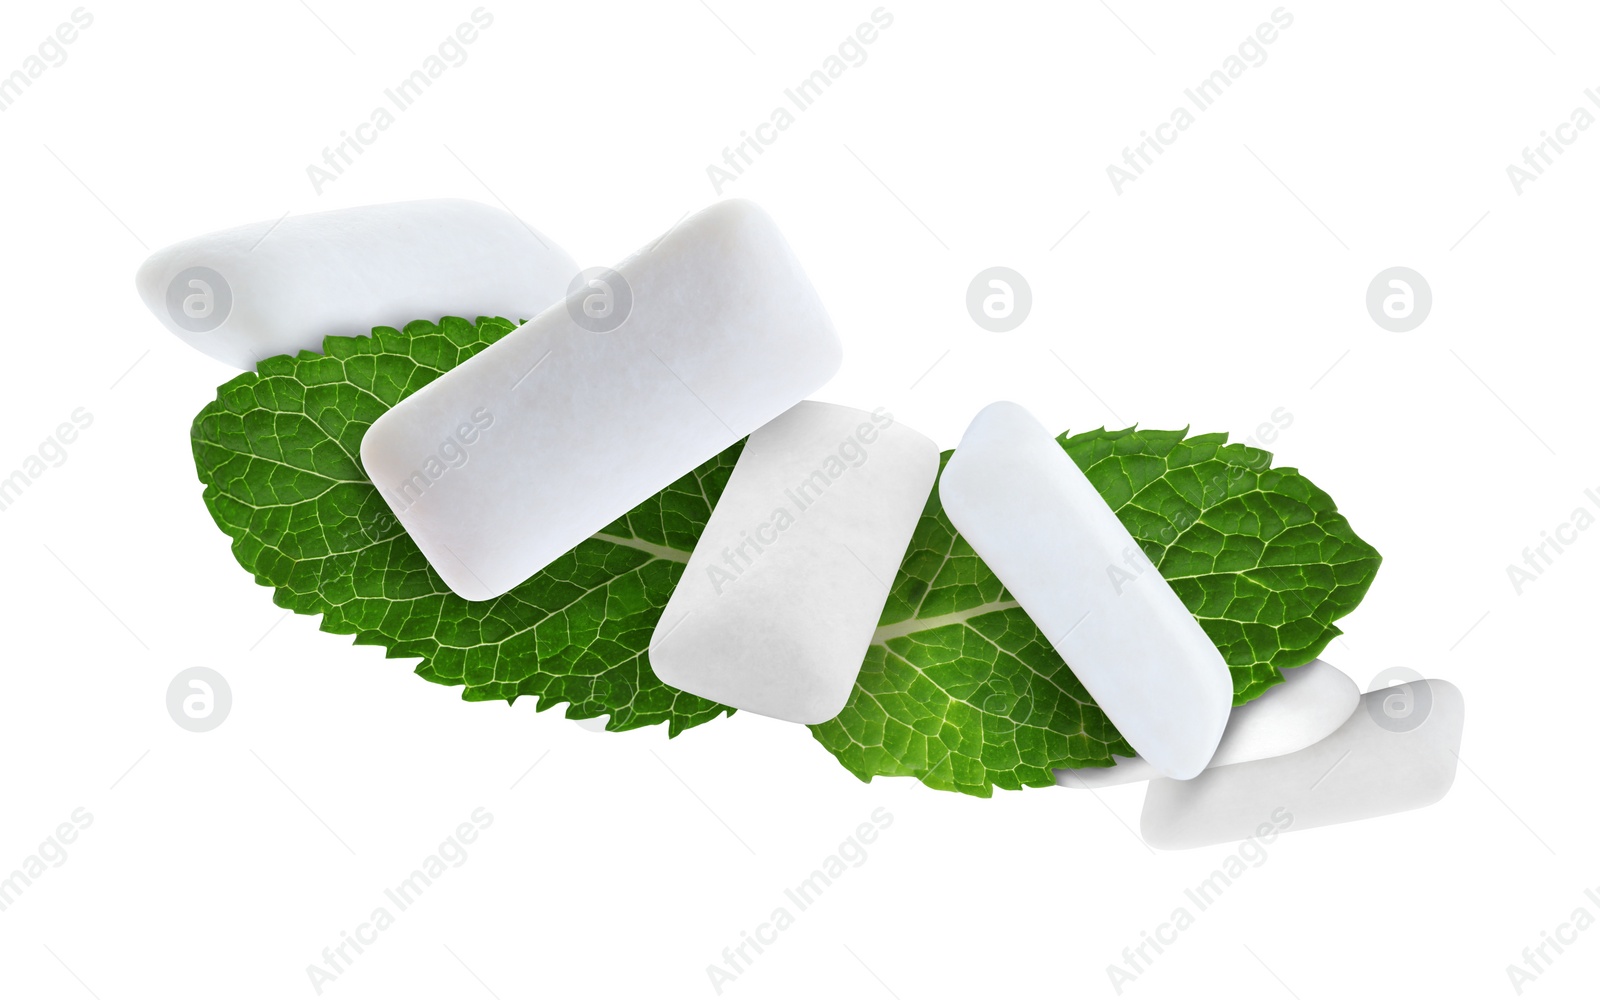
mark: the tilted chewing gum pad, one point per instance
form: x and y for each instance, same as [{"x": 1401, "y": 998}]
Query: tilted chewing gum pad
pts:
[
  {"x": 1312, "y": 702},
  {"x": 270, "y": 288},
  {"x": 1395, "y": 753},
  {"x": 1034, "y": 518},
  {"x": 506, "y": 462},
  {"x": 777, "y": 607}
]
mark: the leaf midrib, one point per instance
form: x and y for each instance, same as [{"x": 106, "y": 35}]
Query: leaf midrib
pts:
[
  {"x": 912, "y": 626},
  {"x": 649, "y": 548}
]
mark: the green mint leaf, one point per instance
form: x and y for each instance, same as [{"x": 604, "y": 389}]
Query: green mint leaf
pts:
[
  {"x": 278, "y": 452},
  {"x": 958, "y": 689},
  {"x": 962, "y": 691}
]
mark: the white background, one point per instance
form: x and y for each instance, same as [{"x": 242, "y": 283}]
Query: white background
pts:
[{"x": 1227, "y": 282}]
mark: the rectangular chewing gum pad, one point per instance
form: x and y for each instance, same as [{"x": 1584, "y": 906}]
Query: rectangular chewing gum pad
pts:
[
  {"x": 501, "y": 465},
  {"x": 1034, "y": 518},
  {"x": 777, "y": 607},
  {"x": 1397, "y": 752},
  {"x": 270, "y": 288},
  {"x": 1312, "y": 702}
]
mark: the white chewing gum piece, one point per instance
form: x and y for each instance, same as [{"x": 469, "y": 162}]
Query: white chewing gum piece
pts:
[
  {"x": 780, "y": 599},
  {"x": 1395, "y": 753},
  {"x": 1312, "y": 701},
  {"x": 1034, "y": 518},
  {"x": 506, "y": 462},
  {"x": 270, "y": 288}
]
